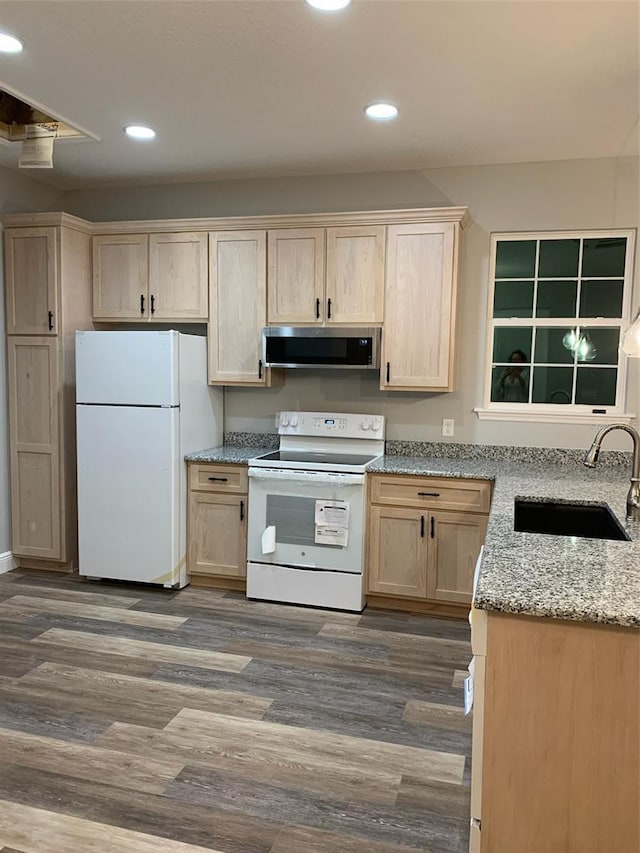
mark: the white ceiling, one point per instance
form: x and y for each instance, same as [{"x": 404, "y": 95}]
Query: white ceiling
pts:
[{"x": 245, "y": 88}]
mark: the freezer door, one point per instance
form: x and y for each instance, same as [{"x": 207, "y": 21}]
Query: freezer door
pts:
[
  {"x": 128, "y": 474},
  {"x": 127, "y": 368}
]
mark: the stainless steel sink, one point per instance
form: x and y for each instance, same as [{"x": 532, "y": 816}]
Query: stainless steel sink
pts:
[{"x": 567, "y": 519}]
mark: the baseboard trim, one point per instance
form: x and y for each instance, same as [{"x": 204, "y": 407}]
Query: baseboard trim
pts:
[{"x": 7, "y": 562}]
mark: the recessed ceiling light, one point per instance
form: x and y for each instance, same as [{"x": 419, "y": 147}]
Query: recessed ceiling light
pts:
[
  {"x": 139, "y": 131},
  {"x": 329, "y": 5},
  {"x": 9, "y": 43},
  {"x": 381, "y": 112}
]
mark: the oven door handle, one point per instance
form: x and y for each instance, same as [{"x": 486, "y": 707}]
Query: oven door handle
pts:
[{"x": 287, "y": 475}]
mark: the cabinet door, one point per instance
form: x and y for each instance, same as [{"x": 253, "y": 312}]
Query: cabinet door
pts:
[
  {"x": 296, "y": 275},
  {"x": 178, "y": 277},
  {"x": 397, "y": 551},
  {"x": 31, "y": 263},
  {"x": 419, "y": 308},
  {"x": 217, "y": 534},
  {"x": 34, "y": 447},
  {"x": 237, "y": 307},
  {"x": 455, "y": 542},
  {"x": 355, "y": 274},
  {"x": 120, "y": 277}
]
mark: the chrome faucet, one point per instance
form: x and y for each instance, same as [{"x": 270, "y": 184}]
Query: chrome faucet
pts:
[{"x": 591, "y": 458}]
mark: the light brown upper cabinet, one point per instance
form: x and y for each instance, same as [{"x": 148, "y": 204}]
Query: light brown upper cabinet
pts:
[
  {"x": 31, "y": 266},
  {"x": 420, "y": 307},
  {"x": 238, "y": 307},
  {"x": 150, "y": 277},
  {"x": 323, "y": 276},
  {"x": 355, "y": 275},
  {"x": 178, "y": 276},
  {"x": 296, "y": 275},
  {"x": 121, "y": 277}
]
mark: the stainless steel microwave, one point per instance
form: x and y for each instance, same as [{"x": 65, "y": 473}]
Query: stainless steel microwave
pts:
[{"x": 328, "y": 347}]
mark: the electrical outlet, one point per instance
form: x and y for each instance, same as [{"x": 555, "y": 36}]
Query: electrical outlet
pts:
[{"x": 447, "y": 426}]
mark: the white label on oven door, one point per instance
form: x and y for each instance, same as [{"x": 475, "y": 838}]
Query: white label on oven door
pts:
[
  {"x": 326, "y": 535},
  {"x": 332, "y": 514},
  {"x": 269, "y": 540}
]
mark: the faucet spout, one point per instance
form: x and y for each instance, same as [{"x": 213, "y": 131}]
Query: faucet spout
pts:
[{"x": 591, "y": 459}]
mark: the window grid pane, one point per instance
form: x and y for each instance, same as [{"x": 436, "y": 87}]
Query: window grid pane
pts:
[{"x": 588, "y": 354}]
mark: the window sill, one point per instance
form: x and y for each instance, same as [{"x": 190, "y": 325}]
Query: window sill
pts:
[{"x": 551, "y": 417}]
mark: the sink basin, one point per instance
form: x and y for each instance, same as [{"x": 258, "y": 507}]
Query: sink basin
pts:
[{"x": 567, "y": 519}]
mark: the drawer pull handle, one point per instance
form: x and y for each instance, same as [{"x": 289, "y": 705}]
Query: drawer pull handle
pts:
[
  {"x": 428, "y": 494},
  {"x": 241, "y": 510},
  {"x": 219, "y": 479},
  {"x": 422, "y": 526}
]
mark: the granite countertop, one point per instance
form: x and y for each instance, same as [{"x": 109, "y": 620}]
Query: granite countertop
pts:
[
  {"x": 230, "y": 453},
  {"x": 565, "y": 577},
  {"x": 585, "y": 580}
]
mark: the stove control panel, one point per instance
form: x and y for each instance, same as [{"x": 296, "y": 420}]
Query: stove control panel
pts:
[{"x": 328, "y": 424}]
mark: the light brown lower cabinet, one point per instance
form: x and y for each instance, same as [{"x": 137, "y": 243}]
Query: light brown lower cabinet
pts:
[
  {"x": 418, "y": 551},
  {"x": 217, "y": 526},
  {"x": 559, "y": 760}
]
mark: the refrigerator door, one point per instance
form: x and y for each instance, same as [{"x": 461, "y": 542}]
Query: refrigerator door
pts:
[
  {"x": 127, "y": 368},
  {"x": 128, "y": 487}
]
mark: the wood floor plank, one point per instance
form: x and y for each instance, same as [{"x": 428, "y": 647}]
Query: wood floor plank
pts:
[
  {"x": 433, "y": 646},
  {"x": 28, "y": 605},
  {"x": 69, "y": 594},
  {"x": 208, "y": 826},
  {"x": 450, "y": 717},
  {"x": 304, "y": 839},
  {"x": 435, "y": 797},
  {"x": 373, "y": 822},
  {"x": 248, "y": 758},
  {"x": 218, "y": 733},
  {"x": 83, "y": 761},
  {"x": 334, "y": 660},
  {"x": 147, "y": 692},
  {"x": 160, "y": 652},
  {"x": 38, "y": 831}
]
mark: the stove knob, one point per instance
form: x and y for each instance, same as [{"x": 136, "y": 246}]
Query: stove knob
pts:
[
  {"x": 364, "y": 425},
  {"x": 294, "y": 421},
  {"x": 284, "y": 421}
]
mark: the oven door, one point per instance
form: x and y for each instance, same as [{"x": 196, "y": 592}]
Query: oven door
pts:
[{"x": 287, "y": 501}]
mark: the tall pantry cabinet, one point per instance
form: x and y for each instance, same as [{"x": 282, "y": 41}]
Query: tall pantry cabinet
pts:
[{"x": 48, "y": 297}]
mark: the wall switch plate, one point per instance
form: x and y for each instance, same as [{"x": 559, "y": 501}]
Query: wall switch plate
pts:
[{"x": 447, "y": 426}]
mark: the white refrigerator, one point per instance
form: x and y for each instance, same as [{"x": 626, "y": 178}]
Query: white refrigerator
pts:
[{"x": 142, "y": 403}]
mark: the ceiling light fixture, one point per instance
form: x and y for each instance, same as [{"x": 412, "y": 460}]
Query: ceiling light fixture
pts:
[
  {"x": 139, "y": 131},
  {"x": 10, "y": 44},
  {"x": 328, "y": 5},
  {"x": 381, "y": 112}
]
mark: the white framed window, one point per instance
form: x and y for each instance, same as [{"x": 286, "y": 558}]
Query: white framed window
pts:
[{"x": 558, "y": 304}]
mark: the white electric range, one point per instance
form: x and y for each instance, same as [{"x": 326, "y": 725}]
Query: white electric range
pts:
[{"x": 306, "y": 510}]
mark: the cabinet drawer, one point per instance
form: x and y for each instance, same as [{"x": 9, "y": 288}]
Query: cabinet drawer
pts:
[
  {"x": 437, "y": 493},
  {"x": 218, "y": 478}
]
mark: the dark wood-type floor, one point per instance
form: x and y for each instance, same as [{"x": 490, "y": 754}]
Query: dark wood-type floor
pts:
[{"x": 134, "y": 719}]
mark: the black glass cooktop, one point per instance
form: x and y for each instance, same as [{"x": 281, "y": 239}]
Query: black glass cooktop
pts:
[{"x": 307, "y": 457}]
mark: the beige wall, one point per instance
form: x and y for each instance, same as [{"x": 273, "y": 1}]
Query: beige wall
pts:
[
  {"x": 17, "y": 193},
  {"x": 535, "y": 196}
]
